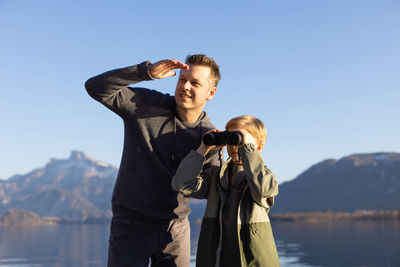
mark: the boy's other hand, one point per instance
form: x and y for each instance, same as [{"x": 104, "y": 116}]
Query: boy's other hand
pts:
[
  {"x": 165, "y": 68},
  {"x": 247, "y": 137}
]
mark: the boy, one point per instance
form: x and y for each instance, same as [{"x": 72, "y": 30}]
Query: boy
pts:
[{"x": 236, "y": 230}]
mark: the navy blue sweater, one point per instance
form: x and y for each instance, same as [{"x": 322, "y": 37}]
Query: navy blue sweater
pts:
[{"x": 155, "y": 142}]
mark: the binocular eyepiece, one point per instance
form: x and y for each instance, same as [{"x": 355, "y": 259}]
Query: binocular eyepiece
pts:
[{"x": 223, "y": 138}]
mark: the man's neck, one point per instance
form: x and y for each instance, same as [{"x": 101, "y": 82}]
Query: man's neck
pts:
[{"x": 189, "y": 115}]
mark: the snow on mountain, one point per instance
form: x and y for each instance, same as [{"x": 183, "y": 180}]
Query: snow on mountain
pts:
[{"x": 75, "y": 188}]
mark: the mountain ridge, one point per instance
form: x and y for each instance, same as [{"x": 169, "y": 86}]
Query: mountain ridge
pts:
[
  {"x": 76, "y": 188},
  {"x": 358, "y": 181},
  {"x": 79, "y": 188}
]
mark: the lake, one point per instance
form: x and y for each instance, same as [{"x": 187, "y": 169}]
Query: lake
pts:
[{"x": 351, "y": 243}]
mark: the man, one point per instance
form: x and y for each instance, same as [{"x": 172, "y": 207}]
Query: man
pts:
[{"x": 149, "y": 218}]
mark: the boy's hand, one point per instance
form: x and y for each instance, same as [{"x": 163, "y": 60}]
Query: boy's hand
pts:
[
  {"x": 204, "y": 149},
  {"x": 165, "y": 68},
  {"x": 247, "y": 137}
]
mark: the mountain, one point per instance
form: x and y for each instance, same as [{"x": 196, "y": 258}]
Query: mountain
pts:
[
  {"x": 15, "y": 217},
  {"x": 75, "y": 189},
  {"x": 356, "y": 182},
  {"x": 78, "y": 188}
]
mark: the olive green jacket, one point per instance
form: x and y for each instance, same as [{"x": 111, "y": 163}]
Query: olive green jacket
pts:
[{"x": 256, "y": 241}]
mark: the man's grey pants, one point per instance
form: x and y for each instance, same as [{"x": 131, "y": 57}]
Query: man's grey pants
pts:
[{"x": 134, "y": 241}]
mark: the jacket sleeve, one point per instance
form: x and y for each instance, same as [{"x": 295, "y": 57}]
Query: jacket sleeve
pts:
[
  {"x": 194, "y": 174},
  {"x": 111, "y": 88},
  {"x": 262, "y": 183}
]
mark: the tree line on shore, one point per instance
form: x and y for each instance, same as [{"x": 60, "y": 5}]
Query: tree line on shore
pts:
[{"x": 362, "y": 215}]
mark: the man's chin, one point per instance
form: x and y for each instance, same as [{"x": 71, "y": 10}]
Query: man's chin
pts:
[{"x": 183, "y": 105}]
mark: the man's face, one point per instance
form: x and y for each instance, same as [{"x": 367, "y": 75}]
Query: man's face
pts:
[{"x": 194, "y": 88}]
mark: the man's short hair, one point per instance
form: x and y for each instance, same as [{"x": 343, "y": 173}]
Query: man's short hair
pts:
[
  {"x": 253, "y": 125},
  {"x": 203, "y": 60}
]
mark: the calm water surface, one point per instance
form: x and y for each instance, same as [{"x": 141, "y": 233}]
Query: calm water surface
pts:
[{"x": 341, "y": 244}]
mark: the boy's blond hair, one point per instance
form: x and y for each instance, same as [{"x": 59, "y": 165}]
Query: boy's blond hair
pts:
[{"x": 251, "y": 124}]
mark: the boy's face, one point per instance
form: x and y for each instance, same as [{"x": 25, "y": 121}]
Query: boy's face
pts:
[
  {"x": 233, "y": 150},
  {"x": 194, "y": 88},
  {"x": 247, "y": 139},
  {"x": 233, "y": 154}
]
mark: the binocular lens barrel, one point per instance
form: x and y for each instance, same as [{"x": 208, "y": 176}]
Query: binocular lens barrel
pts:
[{"x": 223, "y": 138}]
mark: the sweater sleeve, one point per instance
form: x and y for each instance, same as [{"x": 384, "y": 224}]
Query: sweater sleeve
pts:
[
  {"x": 111, "y": 88},
  {"x": 194, "y": 174},
  {"x": 262, "y": 183}
]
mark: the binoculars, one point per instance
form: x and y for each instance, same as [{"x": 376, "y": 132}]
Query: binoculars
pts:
[{"x": 223, "y": 138}]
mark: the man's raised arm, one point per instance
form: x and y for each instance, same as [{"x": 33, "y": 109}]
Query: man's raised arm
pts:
[{"x": 111, "y": 88}]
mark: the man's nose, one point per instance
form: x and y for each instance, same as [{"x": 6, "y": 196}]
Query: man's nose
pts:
[{"x": 186, "y": 86}]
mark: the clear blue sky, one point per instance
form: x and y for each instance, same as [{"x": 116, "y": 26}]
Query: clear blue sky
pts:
[{"x": 324, "y": 76}]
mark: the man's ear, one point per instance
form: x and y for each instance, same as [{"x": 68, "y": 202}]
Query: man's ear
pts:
[{"x": 211, "y": 93}]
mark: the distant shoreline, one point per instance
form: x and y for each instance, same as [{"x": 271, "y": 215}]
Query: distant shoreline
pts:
[
  {"x": 359, "y": 215},
  {"x": 26, "y": 218}
]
